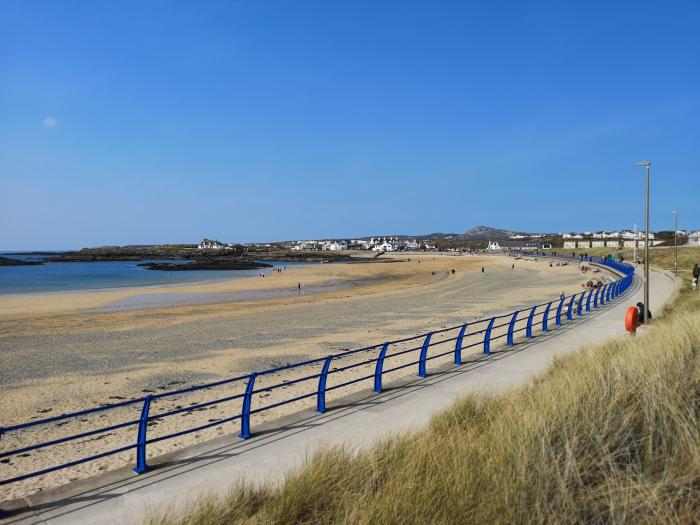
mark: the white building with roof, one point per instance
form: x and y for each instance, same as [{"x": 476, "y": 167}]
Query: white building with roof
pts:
[
  {"x": 209, "y": 244},
  {"x": 694, "y": 239}
]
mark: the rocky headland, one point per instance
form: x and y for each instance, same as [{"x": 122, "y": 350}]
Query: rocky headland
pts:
[
  {"x": 6, "y": 261},
  {"x": 211, "y": 264}
]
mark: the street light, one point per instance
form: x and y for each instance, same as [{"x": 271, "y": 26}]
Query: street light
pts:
[
  {"x": 675, "y": 243},
  {"x": 646, "y": 164}
]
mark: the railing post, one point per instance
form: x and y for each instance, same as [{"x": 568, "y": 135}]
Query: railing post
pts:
[
  {"x": 570, "y": 308},
  {"x": 511, "y": 328},
  {"x": 528, "y": 329},
  {"x": 544, "y": 318},
  {"x": 247, "y": 399},
  {"x": 424, "y": 355},
  {"x": 141, "y": 465},
  {"x": 595, "y": 298},
  {"x": 603, "y": 291},
  {"x": 588, "y": 301},
  {"x": 487, "y": 337},
  {"x": 579, "y": 305},
  {"x": 557, "y": 319},
  {"x": 321, "y": 395},
  {"x": 378, "y": 369},
  {"x": 458, "y": 345}
]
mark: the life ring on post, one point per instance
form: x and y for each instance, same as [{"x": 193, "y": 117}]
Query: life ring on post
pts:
[{"x": 632, "y": 319}]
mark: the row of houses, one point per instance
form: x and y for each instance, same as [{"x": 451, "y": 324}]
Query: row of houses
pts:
[
  {"x": 624, "y": 235},
  {"x": 608, "y": 243},
  {"x": 376, "y": 244}
]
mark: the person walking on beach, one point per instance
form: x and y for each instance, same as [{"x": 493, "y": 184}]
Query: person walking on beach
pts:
[
  {"x": 482, "y": 269},
  {"x": 299, "y": 288}
]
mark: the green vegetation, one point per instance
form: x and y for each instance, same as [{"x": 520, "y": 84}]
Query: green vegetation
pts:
[{"x": 608, "y": 434}]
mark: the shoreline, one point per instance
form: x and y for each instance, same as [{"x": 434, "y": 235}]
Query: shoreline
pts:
[
  {"x": 137, "y": 285},
  {"x": 72, "y": 360}
]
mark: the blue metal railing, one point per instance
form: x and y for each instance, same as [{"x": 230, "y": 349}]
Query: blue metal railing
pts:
[{"x": 381, "y": 354}]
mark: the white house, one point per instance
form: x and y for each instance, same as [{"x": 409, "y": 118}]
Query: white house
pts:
[
  {"x": 411, "y": 245},
  {"x": 335, "y": 245},
  {"x": 304, "y": 245},
  {"x": 384, "y": 247},
  {"x": 694, "y": 239},
  {"x": 208, "y": 244},
  {"x": 493, "y": 247}
]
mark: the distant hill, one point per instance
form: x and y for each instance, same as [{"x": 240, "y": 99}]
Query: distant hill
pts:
[
  {"x": 476, "y": 233},
  {"x": 486, "y": 232}
]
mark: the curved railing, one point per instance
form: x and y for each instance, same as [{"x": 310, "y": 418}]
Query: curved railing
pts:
[{"x": 455, "y": 338}]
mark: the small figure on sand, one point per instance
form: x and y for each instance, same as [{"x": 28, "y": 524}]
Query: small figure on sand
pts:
[
  {"x": 482, "y": 270},
  {"x": 299, "y": 288},
  {"x": 453, "y": 271},
  {"x": 513, "y": 266}
]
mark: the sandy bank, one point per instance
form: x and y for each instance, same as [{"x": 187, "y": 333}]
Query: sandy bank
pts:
[{"x": 59, "y": 358}]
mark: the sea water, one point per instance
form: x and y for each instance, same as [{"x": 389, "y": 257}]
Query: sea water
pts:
[{"x": 73, "y": 276}]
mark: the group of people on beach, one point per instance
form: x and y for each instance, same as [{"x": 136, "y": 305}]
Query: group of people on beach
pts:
[{"x": 277, "y": 271}]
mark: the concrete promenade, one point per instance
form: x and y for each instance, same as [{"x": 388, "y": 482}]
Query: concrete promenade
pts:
[{"x": 284, "y": 445}]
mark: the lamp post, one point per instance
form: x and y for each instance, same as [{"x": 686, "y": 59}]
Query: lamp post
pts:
[
  {"x": 646, "y": 164},
  {"x": 675, "y": 243}
]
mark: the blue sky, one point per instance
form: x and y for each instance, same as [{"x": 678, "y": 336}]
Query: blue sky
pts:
[{"x": 146, "y": 122}]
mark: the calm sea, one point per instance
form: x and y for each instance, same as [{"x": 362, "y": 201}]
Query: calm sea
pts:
[{"x": 67, "y": 276}]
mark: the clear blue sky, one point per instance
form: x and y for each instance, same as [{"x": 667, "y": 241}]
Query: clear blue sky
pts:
[{"x": 145, "y": 122}]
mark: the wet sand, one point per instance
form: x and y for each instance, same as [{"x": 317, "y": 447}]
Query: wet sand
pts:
[{"x": 64, "y": 352}]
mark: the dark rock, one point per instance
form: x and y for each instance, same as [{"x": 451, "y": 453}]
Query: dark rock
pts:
[
  {"x": 6, "y": 261},
  {"x": 201, "y": 264}
]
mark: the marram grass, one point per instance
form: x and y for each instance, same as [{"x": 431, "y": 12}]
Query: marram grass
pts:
[{"x": 608, "y": 435}]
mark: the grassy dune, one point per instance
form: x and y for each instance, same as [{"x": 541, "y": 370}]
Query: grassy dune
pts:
[{"x": 609, "y": 434}]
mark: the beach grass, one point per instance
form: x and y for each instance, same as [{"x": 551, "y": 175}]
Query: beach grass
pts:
[{"x": 609, "y": 434}]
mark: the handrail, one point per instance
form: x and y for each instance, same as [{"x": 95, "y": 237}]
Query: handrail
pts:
[{"x": 479, "y": 331}]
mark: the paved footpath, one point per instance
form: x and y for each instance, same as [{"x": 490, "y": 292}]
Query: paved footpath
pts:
[{"x": 284, "y": 445}]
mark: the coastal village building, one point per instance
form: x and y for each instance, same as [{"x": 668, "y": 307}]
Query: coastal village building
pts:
[
  {"x": 605, "y": 239},
  {"x": 335, "y": 245},
  {"x": 384, "y": 247},
  {"x": 305, "y": 245},
  {"x": 694, "y": 239},
  {"x": 208, "y": 244}
]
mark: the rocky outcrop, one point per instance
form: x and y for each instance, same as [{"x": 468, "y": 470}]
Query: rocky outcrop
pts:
[
  {"x": 211, "y": 264},
  {"x": 6, "y": 261}
]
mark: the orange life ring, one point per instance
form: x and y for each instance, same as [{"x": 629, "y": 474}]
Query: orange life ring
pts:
[{"x": 632, "y": 319}]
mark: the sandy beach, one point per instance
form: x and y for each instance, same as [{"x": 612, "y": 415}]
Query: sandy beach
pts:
[{"x": 68, "y": 351}]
